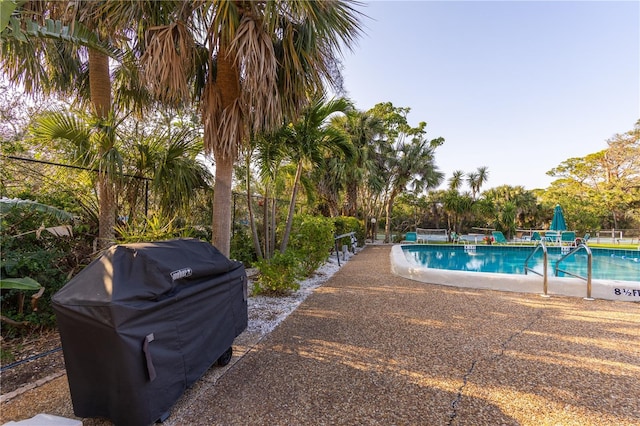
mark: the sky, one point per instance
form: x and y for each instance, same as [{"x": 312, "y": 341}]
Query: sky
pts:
[{"x": 514, "y": 86}]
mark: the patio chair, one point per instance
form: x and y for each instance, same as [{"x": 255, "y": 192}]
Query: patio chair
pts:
[
  {"x": 411, "y": 237},
  {"x": 552, "y": 237},
  {"x": 499, "y": 238},
  {"x": 568, "y": 237},
  {"x": 455, "y": 238}
]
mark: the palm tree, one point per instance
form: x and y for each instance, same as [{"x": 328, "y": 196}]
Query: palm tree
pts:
[
  {"x": 247, "y": 63},
  {"x": 362, "y": 128},
  {"x": 411, "y": 165},
  {"x": 477, "y": 179},
  {"x": 455, "y": 181},
  {"x": 54, "y": 47},
  {"x": 168, "y": 158},
  {"x": 308, "y": 140}
]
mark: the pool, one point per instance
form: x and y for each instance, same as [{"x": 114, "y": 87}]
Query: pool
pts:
[{"x": 615, "y": 273}]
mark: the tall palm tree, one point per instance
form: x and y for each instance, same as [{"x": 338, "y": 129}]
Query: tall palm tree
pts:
[
  {"x": 58, "y": 46},
  {"x": 477, "y": 179},
  {"x": 411, "y": 165},
  {"x": 247, "y": 63},
  {"x": 168, "y": 159},
  {"x": 308, "y": 139},
  {"x": 362, "y": 128},
  {"x": 456, "y": 180}
]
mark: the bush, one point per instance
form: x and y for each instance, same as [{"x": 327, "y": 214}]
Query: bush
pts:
[
  {"x": 154, "y": 228},
  {"x": 311, "y": 241},
  {"x": 242, "y": 246},
  {"x": 278, "y": 275},
  {"x": 41, "y": 256},
  {"x": 345, "y": 224}
]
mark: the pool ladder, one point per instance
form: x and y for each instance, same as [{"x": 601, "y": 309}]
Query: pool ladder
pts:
[
  {"x": 541, "y": 246},
  {"x": 589, "y": 260}
]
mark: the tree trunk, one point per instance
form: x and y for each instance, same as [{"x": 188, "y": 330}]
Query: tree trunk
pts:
[
  {"x": 352, "y": 199},
  {"x": 387, "y": 225},
  {"x": 272, "y": 224},
  {"x": 292, "y": 208},
  {"x": 221, "y": 223},
  {"x": 228, "y": 81},
  {"x": 100, "y": 87},
  {"x": 252, "y": 221},
  {"x": 265, "y": 224}
]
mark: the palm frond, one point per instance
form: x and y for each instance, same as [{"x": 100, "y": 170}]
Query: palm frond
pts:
[
  {"x": 254, "y": 50},
  {"x": 7, "y": 204},
  {"x": 167, "y": 62}
]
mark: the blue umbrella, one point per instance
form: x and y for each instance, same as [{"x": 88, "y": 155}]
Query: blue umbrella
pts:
[{"x": 558, "y": 223}]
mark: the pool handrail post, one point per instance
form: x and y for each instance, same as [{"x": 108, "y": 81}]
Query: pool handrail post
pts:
[
  {"x": 589, "y": 259},
  {"x": 589, "y": 264},
  {"x": 545, "y": 280},
  {"x": 545, "y": 262}
]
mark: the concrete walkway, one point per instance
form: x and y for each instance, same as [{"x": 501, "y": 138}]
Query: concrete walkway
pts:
[{"x": 370, "y": 348}]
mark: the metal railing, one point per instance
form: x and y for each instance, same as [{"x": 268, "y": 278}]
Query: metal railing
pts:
[
  {"x": 353, "y": 244},
  {"x": 545, "y": 261},
  {"x": 589, "y": 260}
]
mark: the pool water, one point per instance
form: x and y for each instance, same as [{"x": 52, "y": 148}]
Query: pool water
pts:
[{"x": 607, "y": 264}]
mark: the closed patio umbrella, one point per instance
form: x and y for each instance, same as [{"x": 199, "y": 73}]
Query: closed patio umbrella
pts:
[{"x": 558, "y": 223}]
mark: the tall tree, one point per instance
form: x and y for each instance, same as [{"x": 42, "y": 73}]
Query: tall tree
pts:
[
  {"x": 249, "y": 64},
  {"x": 602, "y": 188},
  {"x": 41, "y": 49},
  {"x": 363, "y": 129},
  {"x": 309, "y": 139},
  {"x": 456, "y": 180},
  {"x": 477, "y": 179},
  {"x": 409, "y": 161}
]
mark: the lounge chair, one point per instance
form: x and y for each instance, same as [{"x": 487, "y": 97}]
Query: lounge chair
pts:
[
  {"x": 411, "y": 237},
  {"x": 568, "y": 237},
  {"x": 536, "y": 236},
  {"x": 551, "y": 236},
  {"x": 499, "y": 238}
]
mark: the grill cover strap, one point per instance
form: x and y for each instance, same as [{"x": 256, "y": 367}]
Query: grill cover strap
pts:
[{"x": 147, "y": 354}]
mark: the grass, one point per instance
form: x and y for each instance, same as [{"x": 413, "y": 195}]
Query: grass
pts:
[{"x": 615, "y": 246}]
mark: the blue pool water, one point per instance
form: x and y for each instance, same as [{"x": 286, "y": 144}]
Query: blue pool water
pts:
[{"x": 607, "y": 264}]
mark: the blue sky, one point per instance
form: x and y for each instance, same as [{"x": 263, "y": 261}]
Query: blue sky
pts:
[{"x": 516, "y": 86}]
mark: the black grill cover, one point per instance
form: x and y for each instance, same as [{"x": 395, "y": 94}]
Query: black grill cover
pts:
[{"x": 143, "y": 322}]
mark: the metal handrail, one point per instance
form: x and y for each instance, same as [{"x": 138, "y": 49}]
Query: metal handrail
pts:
[
  {"x": 545, "y": 260},
  {"x": 589, "y": 258},
  {"x": 354, "y": 240}
]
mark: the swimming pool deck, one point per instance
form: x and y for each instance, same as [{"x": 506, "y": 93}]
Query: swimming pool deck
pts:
[{"x": 369, "y": 347}]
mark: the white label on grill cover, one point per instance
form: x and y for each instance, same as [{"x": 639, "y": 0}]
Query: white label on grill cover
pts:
[{"x": 181, "y": 273}]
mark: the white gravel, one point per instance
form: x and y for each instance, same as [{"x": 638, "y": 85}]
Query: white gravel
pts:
[{"x": 266, "y": 312}]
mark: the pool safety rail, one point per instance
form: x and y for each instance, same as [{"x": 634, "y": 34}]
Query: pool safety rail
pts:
[
  {"x": 545, "y": 262},
  {"x": 354, "y": 242},
  {"x": 545, "y": 256},
  {"x": 589, "y": 263}
]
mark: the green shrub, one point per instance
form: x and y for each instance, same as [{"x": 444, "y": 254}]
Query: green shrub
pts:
[
  {"x": 311, "y": 240},
  {"x": 278, "y": 275},
  {"x": 50, "y": 260},
  {"x": 345, "y": 224},
  {"x": 242, "y": 246},
  {"x": 154, "y": 228}
]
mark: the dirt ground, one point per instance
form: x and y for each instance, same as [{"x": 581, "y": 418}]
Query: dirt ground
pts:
[{"x": 44, "y": 346}]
